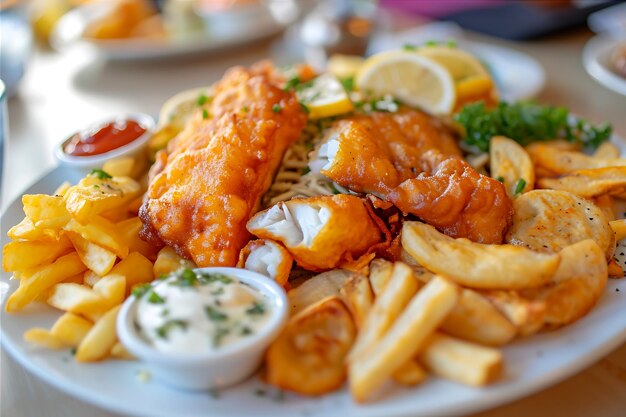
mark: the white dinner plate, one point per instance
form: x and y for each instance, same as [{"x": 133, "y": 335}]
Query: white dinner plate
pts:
[
  {"x": 225, "y": 31},
  {"x": 597, "y": 62},
  {"x": 532, "y": 364}
]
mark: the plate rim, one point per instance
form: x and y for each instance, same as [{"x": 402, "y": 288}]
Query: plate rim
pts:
[{"x": 592, "y": 50}]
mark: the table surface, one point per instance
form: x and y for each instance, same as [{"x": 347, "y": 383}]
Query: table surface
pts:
[{"x": 62, "y": 93}]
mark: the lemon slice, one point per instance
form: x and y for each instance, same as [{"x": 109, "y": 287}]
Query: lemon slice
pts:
[
  {"x": 325, "y": 97},
  {"x": 459, "y": 63},
  {"x": 411, "y": 78}
]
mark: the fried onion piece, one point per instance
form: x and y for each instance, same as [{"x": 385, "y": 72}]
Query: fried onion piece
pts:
[
  {"x": 477, "y": 265},
  {"x": 510, "y": 163},
  {"x": 550, "y": 220},
  {"x": 308, "y": 356},
  {"x": 590, "y": 183}
]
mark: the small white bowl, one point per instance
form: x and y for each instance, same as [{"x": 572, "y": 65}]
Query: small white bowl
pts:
[
  {"x": 88, "y": 163},
  {"x": 209, "y": 370}
]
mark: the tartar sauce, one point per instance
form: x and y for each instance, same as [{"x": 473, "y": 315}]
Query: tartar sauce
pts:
[{"x": 191, "y": 312}]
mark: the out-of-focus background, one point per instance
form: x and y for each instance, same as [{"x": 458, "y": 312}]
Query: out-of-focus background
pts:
[{"x": 67, "y": 63}]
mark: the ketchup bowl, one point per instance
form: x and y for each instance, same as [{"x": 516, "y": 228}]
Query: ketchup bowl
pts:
[{"x": 124, "y": 135}]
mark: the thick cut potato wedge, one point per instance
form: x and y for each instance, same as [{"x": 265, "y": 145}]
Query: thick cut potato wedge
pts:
[
  {"x": 101, "y": 232},
  {"x": 78, "y": 299},
  {"x": 22, "y": 256},
  {"x": 550, "y": 220},
  {"x": 314, "y": 289},
  {"x": 426, "y": 311},
  {"x": 96, "y": 258},
  {"x": 71, "y": 329},
  {"x": 576, "y": 286},
  {"x": 26, "y": 230},
  {"x": 100, "y": 340},
  {"x": 136, "y": 268},
  {"x": 477, "y": 265},
  {"x": 93, "y": 196},
  {"x": 387, "y": 307},
  {"x": 590, "y": 183},
  {"x": 113, "y": 288},
  {"x": 476, "y": 319},
  {"x": 169, "y": 261},
  {"x": 357, "y": 294},
  {"x": 619, "y": 227},
  {"x": 509, "y": 161},
  {"x": 559, "y": 161},
  {"x": 526, "y": 315},
  {"x": 308, "y": 356},
  {"x": 43, "y": 279},
  {"x": 461, "y": 361},
  {"x": 45, "y": 211},
  {"x": 380, "y": 273}
]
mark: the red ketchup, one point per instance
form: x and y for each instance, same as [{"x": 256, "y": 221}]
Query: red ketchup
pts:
[{"x": 103, "y": 138}]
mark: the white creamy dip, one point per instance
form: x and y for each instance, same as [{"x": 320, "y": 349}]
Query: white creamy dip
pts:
[{"x": 191, "y": 312}]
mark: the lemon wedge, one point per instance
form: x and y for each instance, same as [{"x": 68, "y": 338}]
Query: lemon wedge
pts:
[
  {"x": 325, "y": 97},
  {"x": 411, "y": 78},
  {"x": 459, "y": 63}
]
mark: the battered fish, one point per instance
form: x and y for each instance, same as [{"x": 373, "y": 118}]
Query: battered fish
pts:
[
  {"x": 210, "y": 181},
  {"x": 412, "y": 161}
]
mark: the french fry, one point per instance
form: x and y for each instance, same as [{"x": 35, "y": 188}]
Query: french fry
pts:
[
  {"x": 477, "y": 265},
  {"x": 136, "y": 268},
  {"x": 93, "y": 196},
  {"x": 45, "y": 211},
  {"x": 90, "y": 278},
  {"x": 113, "y": 288},
  {"x": 101, "y": 232},
  {"x": 357, "y": 294},
  {"x": 44, "y": 278},
  {"x": 317, "y": 288},
  {"x": 590, "y": 183},
  {"x": 387, "y": 307},
  {"x": 62, "y": 189},
  {"x": 169, "y": 261},
  {"x": 43, "y": 338},
  {"x": 607, "y": 150},
  {"x": 118, "y": 351},
  {"x": 100, "y": 339},
  {"x": 78, "y": 299},
  {"x": 527, "y": 316},
  {"x": 128, "y": 230},
  {"x": 119, "y": 167},
  {"x": 619, "y": 228},
  {"x": 461, "y": 361},
  {"x": 21, "y": 256},
  {"x": 509, "y": 161},
  {"x": 26, "y": 230},
  {"x": 71, "y": 329},
  {"x": 380, "y": 273},
  {"x": 308, "y": 356},
  {"x": 426, "y": 311},
  {"x": 96, "y": 258},
  {"x": 410, "y": 374},
  {"x": 475, "y": 319}
]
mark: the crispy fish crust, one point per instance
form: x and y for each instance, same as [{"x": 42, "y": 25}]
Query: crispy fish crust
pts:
[{"x": 208, "y": 185}]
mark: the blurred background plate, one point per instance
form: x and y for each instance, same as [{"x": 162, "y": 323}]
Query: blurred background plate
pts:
[
  {"x": 598, "y": 61},
  {"x": 205, "y": 31}
]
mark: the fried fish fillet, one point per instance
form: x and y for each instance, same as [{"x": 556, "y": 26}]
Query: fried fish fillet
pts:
[
  {"x": 208, "y": 184},
  {"x": 410, "y": 161}
]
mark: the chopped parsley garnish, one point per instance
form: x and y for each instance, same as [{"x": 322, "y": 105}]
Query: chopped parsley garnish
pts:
[
  {"x": 245, "y": 330},
  {"x": 276, "y": 108},
  {"x": 257, "y": 308},
  {"x": 451, "y": 44},
  {"x": 202, "y": 99},
  {"x": 527, "y": 122},
  {"x": 140, "y": 290},
  {"x": 409, "y": 47},
  {"x": 220, "y": 333},
  {"x": 155, "y": 298},
  {"x": 103, "y": 175},
  {"x": 304, "y": 108},
  {"x": 347, "y": 83},
  {"x": 292, "y": 83},
  {"x": 305, "y": 170},
  {"x": 519, "y": 186},
  {"x": 208, "y": 278},
  {"x": 165, "y": 312},
  {"x": 500, "y": 178},
  {"x": 213, "y": 314},
  {"x": 218, "y": 291},
  {"x": 431, "y": 43},
  {"x": 165, "y": 329},
  {"x": 187, "y": 278},
  {"x": 245, "y": 109},
  {"x": 73, "y": 351},
  {"x": 205, "y": 114},
  {"x": 334, "y": 189}
]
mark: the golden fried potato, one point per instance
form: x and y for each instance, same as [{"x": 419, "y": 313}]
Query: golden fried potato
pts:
[
  {"x": 559, "y": 161},
  {"x": 606, "y": 203},
  {"x": 78, "y": 299},
  {"x": 576, "y": 286},
  {"x": 42, "y": 279},
  {"x": 119, "y": 351},
  {"x": 119, "y": 167},
  {"x": 380, "y": 273},
  {"x": 21, "y": 256},
  {"x": 477, "y": 265},
  {"x": 619, "y": 228},
  {"x": 112, "y": 288},
  {"x": 100, "y": 339},
  {"x": 461, "y": 361},
  {"x": 128, "y": 231},
  {"x": 26, "y": 230},
  {"x": 308, "y": 356},
  {"x": 476, "y": 319},
  {"x": 314, "y": 289},
  {"x": 71, "y": 329},
  {"x": 169, "y": 261},
  {"x": 101, "y": 232},
  {"x": 357, "y": 294},
  {"x": 607, "y": 150},
  {"x": 136, "y": 268},
  {"x": 526, "y": 315},
  {"x": 45, "y": 211},
  {"x": 590, "y": 183},
  {"x": 410, "y": 374},
  {"x": 510, "y": 162},
  {"x": 93, "y": 196},
  {"x": 43, "y": 338},
  {"x": 550, "y": 220},
  {"x": 95, "y": 257}
]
